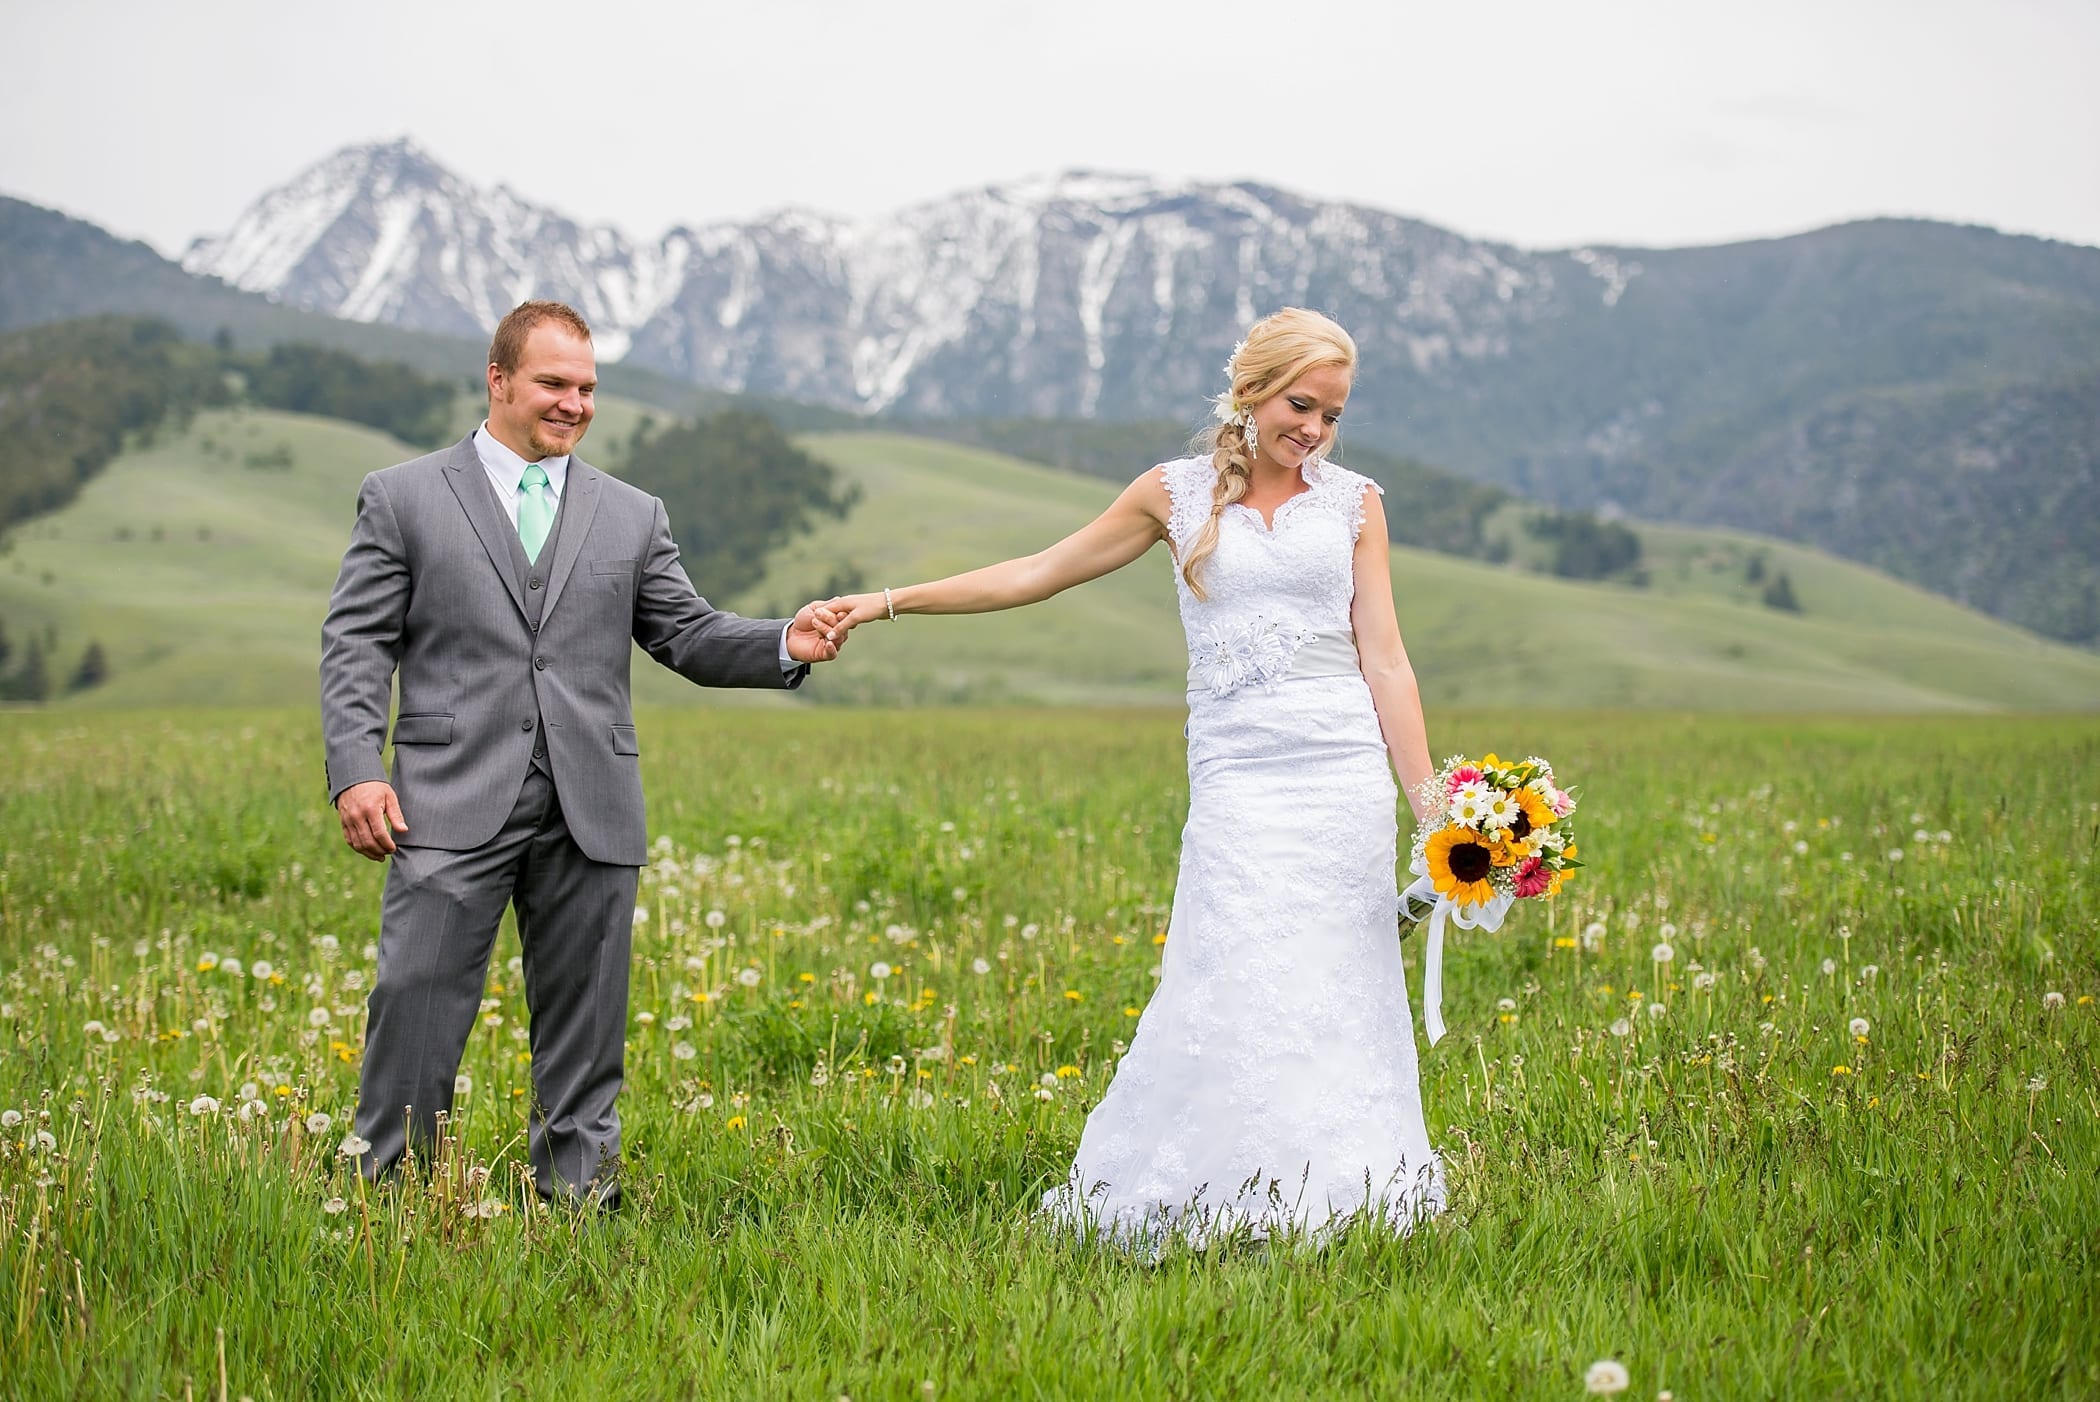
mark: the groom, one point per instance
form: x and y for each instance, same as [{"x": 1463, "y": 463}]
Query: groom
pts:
[{"x": 501, "y": 580}]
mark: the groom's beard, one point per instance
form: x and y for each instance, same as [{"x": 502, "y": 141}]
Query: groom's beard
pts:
[
  {"x": 538, "y": 439},
  {"x": 544, "y": 447}
]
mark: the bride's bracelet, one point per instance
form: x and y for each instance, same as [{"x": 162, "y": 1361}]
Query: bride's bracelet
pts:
[{"x": 889, "y": 603}]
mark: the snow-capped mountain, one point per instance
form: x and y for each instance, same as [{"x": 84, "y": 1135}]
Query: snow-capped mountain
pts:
[{"x": 1077, "y": 295}]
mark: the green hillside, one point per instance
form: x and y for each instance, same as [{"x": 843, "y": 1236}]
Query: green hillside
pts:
[
  {"x": 202, "y": 564},
  {"x": 1697, "y": 637}
]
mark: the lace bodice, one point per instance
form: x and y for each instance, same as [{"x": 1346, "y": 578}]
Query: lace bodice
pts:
[{"x": 1297, "y": 573}]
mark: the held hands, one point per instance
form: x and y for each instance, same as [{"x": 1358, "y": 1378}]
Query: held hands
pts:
[
  {"x": 856, "y": 609},
  {"x": 817, "y": 633},
  {"x": 371, "y": 816}
]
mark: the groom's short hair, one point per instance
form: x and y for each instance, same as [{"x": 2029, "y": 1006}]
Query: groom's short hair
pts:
[{"x": 512, "y": 331}]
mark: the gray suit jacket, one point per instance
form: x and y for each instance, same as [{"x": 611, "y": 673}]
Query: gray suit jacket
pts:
[{"x": 430, "y": 587}]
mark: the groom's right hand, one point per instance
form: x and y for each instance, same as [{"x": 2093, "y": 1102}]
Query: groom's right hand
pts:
[{"x": 371, "y": 816}]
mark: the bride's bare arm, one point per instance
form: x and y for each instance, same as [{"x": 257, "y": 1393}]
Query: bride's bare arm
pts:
[
  {"x": 1131, "y": 526},
  {"x": 1384, "y": 658}
]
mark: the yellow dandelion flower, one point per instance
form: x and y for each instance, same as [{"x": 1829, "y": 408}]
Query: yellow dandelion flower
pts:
[
  {"x": 868, "y": 998},
  {"x": 794, "y": 1002},
  {"x": 1130, "y": 1012},
  {"x": 1066, "y": 1073},
  {"x": 805, "y": 978},
  {"x": 1161, "y": 938},
  {"x": 735, "y": 1122},
  {"x": 1073, "y": 994},
  {"x": 1840, "y": 1070},
  {"x": 1564, "y": 942}
]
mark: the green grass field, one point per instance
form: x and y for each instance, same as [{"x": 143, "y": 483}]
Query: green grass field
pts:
[
  {"x": 203, "y": 563},
  {"x": 1694, "y": 1165}
]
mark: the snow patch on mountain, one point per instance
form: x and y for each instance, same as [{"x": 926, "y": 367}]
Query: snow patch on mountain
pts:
[{"x": 1085, "y": 292}]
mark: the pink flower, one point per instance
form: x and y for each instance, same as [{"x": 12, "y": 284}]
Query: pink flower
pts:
[
  {"x": 1563, "y": 803},
  {"x": 1460, "y": 777},
  {"x": 1533, "y": 878}
]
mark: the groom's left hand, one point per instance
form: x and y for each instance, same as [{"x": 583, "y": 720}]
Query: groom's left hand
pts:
[{"x": 817, "y": 633}]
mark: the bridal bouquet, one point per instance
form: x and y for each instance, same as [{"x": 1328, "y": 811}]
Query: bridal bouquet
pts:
[
  {"x": 1503, "y": 831},
  {"x": 1495, "y": 833}
]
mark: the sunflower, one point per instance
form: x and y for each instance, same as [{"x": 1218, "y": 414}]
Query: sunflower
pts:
[
  {"x": 1459, "y": 862},
  {"x": 1537, "y": 812}
]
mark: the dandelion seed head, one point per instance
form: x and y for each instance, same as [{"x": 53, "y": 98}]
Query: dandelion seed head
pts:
[
  {"x": 1859, "y": 1027},
  {"x": 335, "y": 1207},
  {"x": 748, "y": 977},
  {"x": 2052, "y": 1000},
  {"x": 1606, "y": 1376},
  {"x": 318, "y": 1122},
  {"x": 1662, "y": 954}
]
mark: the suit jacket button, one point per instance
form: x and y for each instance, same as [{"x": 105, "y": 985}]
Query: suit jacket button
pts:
[
  {"x": 534, "y": 582},
  {"x": 539, "y": 664},
  {"x": 524, "y": 725}
]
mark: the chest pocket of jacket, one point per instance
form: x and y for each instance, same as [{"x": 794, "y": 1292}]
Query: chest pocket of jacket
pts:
[{"x": 616, "y": 575}]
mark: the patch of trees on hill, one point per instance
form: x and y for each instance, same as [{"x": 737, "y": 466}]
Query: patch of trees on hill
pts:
[
  {"x": 735, "y": 488},
  {"x": 72, "y": 395},
  {"x": 393, "y": 398},
  {"x": 25, "y": 673}
]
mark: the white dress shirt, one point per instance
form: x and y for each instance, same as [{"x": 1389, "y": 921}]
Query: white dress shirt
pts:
[{"x": 506, "y": 473}]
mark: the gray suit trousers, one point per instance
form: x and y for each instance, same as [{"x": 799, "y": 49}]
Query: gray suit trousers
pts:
[{"x": 575, "y": 920}]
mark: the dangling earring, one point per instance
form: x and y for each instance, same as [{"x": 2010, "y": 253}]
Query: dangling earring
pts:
[{"x": 1247, "y": 430}]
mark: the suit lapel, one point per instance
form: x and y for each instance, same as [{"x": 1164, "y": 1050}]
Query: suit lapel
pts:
[
  {"x": 580, "y": 505},
  {"x": 463, "y": 473}
]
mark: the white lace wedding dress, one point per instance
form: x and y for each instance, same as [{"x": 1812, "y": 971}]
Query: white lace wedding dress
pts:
[{"x": 1271, "y": 1083}]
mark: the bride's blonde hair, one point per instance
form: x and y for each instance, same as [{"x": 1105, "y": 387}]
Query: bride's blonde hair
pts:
[{"x": 1278, "y": 349}]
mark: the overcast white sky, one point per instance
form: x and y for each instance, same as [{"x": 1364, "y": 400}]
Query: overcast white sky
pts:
[{"x": 1543, "y": 124}]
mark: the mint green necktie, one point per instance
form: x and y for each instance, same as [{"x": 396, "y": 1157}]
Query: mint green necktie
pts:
[{"x": 535, "y": 512}]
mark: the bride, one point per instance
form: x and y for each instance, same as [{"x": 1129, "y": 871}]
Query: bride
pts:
[{"x": 1271, "y": 1083}]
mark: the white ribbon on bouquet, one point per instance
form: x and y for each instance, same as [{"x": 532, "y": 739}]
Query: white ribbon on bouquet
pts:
[{"x": 1487, "y": 916}]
